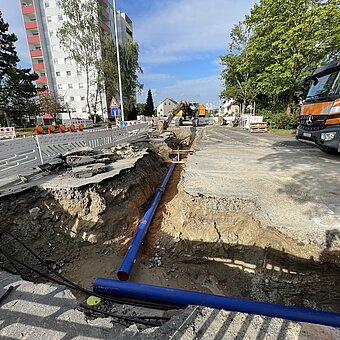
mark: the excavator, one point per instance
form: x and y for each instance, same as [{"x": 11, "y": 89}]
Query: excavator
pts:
[
  {"x": 319, "y": 120},
  {"x": 184, "y": 114}
]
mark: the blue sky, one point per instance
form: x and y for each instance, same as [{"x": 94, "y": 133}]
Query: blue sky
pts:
[{"x": 180, "y": 43}]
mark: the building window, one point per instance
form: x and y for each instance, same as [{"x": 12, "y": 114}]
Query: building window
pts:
[
  {"x": 79, "y": 73},
  {"x": 58, "y": 3},
  {"x": 49, "y": 19},
  {"x": 57, "y": 74},
  {"x": 55, "y": 61},
  {"x": 67, "y": 61},
  {"x": 68, "y": 73},
  {"x": 40, "y": 61},
  {"x": 71, "y": 98},
  {"x": 47, "y": 4},
  {"x": 70, "y": 86},
  {"x": 83, "y": 109},
  {"x": 60, "y": 18},
  {"x": 51, "y": 34},
  {"x": 81, "y": 86},
  {"x": 82, "y": 98},
  {"x": 60, "y": 86}
]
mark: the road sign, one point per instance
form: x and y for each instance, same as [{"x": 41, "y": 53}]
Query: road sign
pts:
[
  {"x": 114, "y": 103},
  {"x": 209, "y": 106},
  {"x": 201, "y": 110},
  {"x": 114, "y": 112}
]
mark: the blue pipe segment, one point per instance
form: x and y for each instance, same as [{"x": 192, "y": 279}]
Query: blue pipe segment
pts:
[
  {"x": 125, "y": 268},
  {"x": 184, "y": 298}
]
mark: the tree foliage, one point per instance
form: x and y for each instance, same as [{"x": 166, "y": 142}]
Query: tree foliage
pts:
[
  {"x": 149, "y": 108},
  {"x": 50, "y": 103},
  {"x": 17, "y": 91},
  {"x": 80, "y": 37},
  {"x": 130, "y": 68},
  {"x": 288, "y": 40}
]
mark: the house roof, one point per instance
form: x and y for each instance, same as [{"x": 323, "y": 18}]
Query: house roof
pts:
[
  {"x": 167, "y": 99},
  {"x": 47, "y": 116}
]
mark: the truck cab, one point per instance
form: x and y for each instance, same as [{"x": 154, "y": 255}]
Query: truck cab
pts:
[{"x": 319, "y": 120}]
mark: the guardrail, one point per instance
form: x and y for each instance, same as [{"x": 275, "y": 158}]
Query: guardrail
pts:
[{"x": 22, "y": 154}]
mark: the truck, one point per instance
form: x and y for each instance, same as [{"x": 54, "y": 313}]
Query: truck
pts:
[{"x": 319, "y": 118}]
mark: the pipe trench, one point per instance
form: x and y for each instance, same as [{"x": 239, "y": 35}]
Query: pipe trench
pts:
[{"x": 125, "y": 268}]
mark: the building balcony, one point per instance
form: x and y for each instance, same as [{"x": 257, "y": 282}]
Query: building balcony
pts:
[
  {"x": 38, "y": 67},
  {"x": 28, "y": 9},
  {"x": 31, "y": 24},
  {"x": 105, "y": 14},
  {"x": 42, "y": 80},
  {"x": 36, "y": 53},
  {"x": 33, "y": 39},
  {"x": 105, "y": 27}
]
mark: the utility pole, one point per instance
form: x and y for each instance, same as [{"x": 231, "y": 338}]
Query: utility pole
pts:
[{"x": 118, "y": 62}]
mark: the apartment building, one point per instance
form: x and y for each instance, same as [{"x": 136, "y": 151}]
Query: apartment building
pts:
[{"x": 57, "y": 72}]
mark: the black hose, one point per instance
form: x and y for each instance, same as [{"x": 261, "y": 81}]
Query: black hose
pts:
[
  {"x": 136, "y": 319},
  {"x": 8, "y": 270},
  {"x": 13, "y": 264},
  {"x": 74, "y": 286},
  {"x": 3, "y": 297}
]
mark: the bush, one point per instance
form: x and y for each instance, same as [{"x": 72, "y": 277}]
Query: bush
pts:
[{"x": 279, "y": 120}]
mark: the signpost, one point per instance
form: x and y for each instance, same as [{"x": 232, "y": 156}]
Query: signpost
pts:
[{"x": 114, "y": 112}]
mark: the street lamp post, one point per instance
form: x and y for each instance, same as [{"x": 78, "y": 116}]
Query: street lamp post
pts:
[{"x": 118, "y": 62}]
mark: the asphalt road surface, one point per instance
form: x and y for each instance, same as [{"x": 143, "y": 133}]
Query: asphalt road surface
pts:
[{"x": 294, "y": 186}]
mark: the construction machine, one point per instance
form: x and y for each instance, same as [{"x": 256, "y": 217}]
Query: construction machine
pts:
[
  {"x": 319, "y": 119},
  {"x": 185, "y": 113}
]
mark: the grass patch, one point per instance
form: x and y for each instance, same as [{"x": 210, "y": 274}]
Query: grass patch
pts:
[{"x": 282, "y": 132}]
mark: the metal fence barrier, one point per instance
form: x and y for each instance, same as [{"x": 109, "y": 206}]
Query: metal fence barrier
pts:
[{"x": 22, "y": 154}]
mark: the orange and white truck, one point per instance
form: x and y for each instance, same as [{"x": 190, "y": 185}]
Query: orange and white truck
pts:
[{"x": 319, "y": 120}]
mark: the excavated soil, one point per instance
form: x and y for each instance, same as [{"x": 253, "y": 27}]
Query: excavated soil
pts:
[{"x": 199, "y": 243}]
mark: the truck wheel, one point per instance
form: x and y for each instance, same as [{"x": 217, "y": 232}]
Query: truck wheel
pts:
[{"x": 331, "y": 151}]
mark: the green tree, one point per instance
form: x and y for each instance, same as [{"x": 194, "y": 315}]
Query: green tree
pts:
[
  {"x": 50, "y": 103},
  {"x": 236, "y": 74},
  {"x": 132, "y": 112},
  {"x": 149, "y": 108},
  {"x": 80, "y": 36},
  {"x": 130, "y": 68},
  {"x": 289, "y": 39},
  {"x": 17, "y": 91}
]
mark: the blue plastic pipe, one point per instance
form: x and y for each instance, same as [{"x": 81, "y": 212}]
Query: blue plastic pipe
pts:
[
  {"x": 132, "y": 253},
  {"x": 184, "y": 298}
]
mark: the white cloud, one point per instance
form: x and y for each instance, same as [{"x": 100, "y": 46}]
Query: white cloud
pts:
[
  {"x": 202, "y": 90},
  {"x": 184, "y": 29}
]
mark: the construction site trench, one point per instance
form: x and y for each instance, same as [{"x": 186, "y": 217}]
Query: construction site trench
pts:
[{"x": 199, "y": 243}]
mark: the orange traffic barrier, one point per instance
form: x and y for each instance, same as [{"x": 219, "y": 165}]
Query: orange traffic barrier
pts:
[
  {"x": 80, "y": 127},
  {"x": 62, "y": 128},
  {"x": 71, "y": 128},
  {"x": 39, "y": 130},
  {"x": 51, "y": 129}
]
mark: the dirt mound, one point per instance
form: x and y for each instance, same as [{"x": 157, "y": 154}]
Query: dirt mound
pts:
[{"x": 58, "y": 223}]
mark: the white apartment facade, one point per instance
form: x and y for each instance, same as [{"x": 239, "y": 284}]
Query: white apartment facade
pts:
[{"x": 57, "y": 72}]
